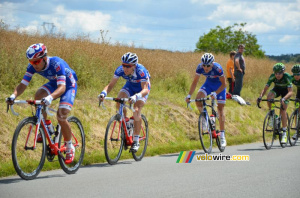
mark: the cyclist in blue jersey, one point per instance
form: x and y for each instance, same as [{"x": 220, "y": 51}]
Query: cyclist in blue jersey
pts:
[
  {"x": 137, "y": 89},
  {"x": 62, "y": 84},
  {"x": 215, "y": 85}
]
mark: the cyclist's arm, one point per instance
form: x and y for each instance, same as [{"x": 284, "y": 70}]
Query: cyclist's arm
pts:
[
  {"x": 264, "y": 91},
  {"x": 194, "y": 84},
  {"x": 145, "y": 89},
  {"x": 110, "y": 85},
  {"x": 19, "y": 89},
  {"x": 223, "y": 85},
  {"x": 289, "y": 94},
  {"x": 61, "y": 88}
]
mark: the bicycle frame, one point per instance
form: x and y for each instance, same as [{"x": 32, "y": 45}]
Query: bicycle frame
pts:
[
  {"x": 40, "y": 122},
  {"x": 207, "y": 118},
  {"x": 128, "y": 138}
]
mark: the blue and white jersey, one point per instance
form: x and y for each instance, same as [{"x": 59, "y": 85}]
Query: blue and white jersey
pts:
[
  {"x": 139, "y": 75},
  {"x": 57, "y": 71},
  {"x": 213, "y": 75}
]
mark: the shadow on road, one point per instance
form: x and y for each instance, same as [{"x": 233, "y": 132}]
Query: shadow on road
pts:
[{"x": 16, "y": 180}]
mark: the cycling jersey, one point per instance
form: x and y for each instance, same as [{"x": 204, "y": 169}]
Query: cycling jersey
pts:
[
  {"x": 212, "y": 82},
  {"x": 283, "y": 83},
  {"x": 133, "y": 84},
  {"x": 58, "y": 72},
  {"x": 297, "y": 83}
]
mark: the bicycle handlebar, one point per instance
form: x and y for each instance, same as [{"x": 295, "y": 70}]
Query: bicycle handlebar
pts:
[
  {"x": 202, "y": 99},
  {"x": 31, "y": 102},
  {"x": 271, "y": 101},
  {"x": 119, "y": 100}
]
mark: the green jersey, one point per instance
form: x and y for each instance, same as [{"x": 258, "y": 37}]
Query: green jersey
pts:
[
  {"x": 295, "y": 82},
  {"x": 283, "y": 83}
]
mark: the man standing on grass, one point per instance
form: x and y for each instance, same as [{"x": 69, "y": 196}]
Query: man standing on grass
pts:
[{"x": 239, "y": 70}]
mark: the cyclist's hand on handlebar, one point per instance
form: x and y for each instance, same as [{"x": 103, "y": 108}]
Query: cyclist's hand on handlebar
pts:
[
  {"x": 102, "y": 95},
  {"x": 10, "y": 100},
  {"x": 282, "y": 101},
  {"x": 135, "y": 97},
  {"x": 188, "y": 98},
  {"x": 47, "y": 100}
]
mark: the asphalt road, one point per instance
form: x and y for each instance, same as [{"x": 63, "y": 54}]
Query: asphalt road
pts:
[{"x": 268, "y": 173}]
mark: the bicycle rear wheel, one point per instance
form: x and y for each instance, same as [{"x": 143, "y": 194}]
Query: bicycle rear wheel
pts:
[
  {"x": 269, "y": 130},
  {"x": 294, "y": 127},
  {"x": 28, "y": 162},
  {"x": 143, "y": 140},
  {"x": 205, "y": 133},
  {"x": 78, "y": 133},
  {"x": 114, "y": 139}
]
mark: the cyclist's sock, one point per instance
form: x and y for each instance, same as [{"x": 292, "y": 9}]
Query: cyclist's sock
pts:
[
  {"x": 68, "y": 144},
  {"x": 222, "y": 134},
  {"x": 136, "y": 138}
]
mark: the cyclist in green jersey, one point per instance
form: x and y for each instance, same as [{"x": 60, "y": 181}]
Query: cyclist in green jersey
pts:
[
  {"x": 296, "y": 81},
  {"x": 283, "y": 88}
]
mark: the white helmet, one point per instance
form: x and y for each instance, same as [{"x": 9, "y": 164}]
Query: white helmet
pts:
[
  {"x": 130, "y": 58},
  {"x": 207, "y": 59}
]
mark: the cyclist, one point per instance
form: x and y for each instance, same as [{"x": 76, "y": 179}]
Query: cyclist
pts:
[
  {"x": 283, "y": 88},
  {"x": 215, "y": 85},
  {"x": 137, "y": 89},
  {"x": 62, "y": 84},
  {"x": 296, "y": 81}
]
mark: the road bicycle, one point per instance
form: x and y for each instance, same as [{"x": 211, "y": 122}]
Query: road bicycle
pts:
[
  {"x": 28, "y": 155},
  {"x": 272, "y": 125},
  {"x": 294, "y": 123},
  {"x": 207, "y": 126},
  {"x": 119, "y": 133}
]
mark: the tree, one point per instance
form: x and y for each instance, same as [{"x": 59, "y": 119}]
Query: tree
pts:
[{"x": 224, "y": 40}]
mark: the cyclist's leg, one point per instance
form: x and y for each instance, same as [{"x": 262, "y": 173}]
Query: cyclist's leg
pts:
[
  {"x": 202, "y": 93},
  {"x": 283, "y": 111},
  {"x": 271, "y": 95},
  {"x": 125, "y": 92},
  {"x": 65, "y": 106},
  {"x": 43, "y": 92},
  {"x": 137, "y": 115},
  {"x": 221, "y": 97}
]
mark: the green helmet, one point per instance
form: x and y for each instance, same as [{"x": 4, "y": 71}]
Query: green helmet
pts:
[
  {"x": 296, "y": 69},
  {"x": 278, "y": 67}
]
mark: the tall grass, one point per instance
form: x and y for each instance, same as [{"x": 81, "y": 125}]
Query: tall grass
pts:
[{"x": 172, "y": 126}]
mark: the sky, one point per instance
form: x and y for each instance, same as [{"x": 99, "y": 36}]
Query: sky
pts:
[{"x": 174, "y": 25}]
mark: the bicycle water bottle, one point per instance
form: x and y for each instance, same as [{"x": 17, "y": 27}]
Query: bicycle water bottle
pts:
[
  {"x": 277, "y": 119},
  {"x": 213, "y": 121},
  {"x": 50, "y": 127},
  {"x": 130, "y": 122},
  {"x": 57, "y": 132}
]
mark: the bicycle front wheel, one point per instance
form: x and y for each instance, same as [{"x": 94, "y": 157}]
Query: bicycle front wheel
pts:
[
  {"x": 294, "y": 128},
  {"x": 114, "y": 139},
  {"x": 269, "y": 130},
  {"x": 28, "y": 161},
  {"x": 78, "y": 140},
  {"x": 205, "y": 133},
  {"x": 143, "y": 140}
]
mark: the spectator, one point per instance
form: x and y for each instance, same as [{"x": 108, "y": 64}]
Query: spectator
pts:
[
  {"x": 239, "y": 70},
  {"x": 230, "y": 71}
]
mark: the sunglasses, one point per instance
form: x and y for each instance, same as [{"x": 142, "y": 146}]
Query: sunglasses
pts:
[
  {"x": 206, "y": 65},
  {"x": 36, "y": 62},
  {"x": 297, "y": 74},
  {"x": 127, "y": 66},
  {"x": 278, "y": 73}
]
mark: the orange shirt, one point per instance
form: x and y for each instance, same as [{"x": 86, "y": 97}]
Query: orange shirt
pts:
[{"x": 229, "y": 66}]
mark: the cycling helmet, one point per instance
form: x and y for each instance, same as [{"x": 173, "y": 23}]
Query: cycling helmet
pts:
[
  {"x": 207, "y": 59},
  {"x": 38, "y": 50},
  {"x": 278, "y": 67},
  {"x": 130, "y": 58},
  {"x": 296, "y": 69}
]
